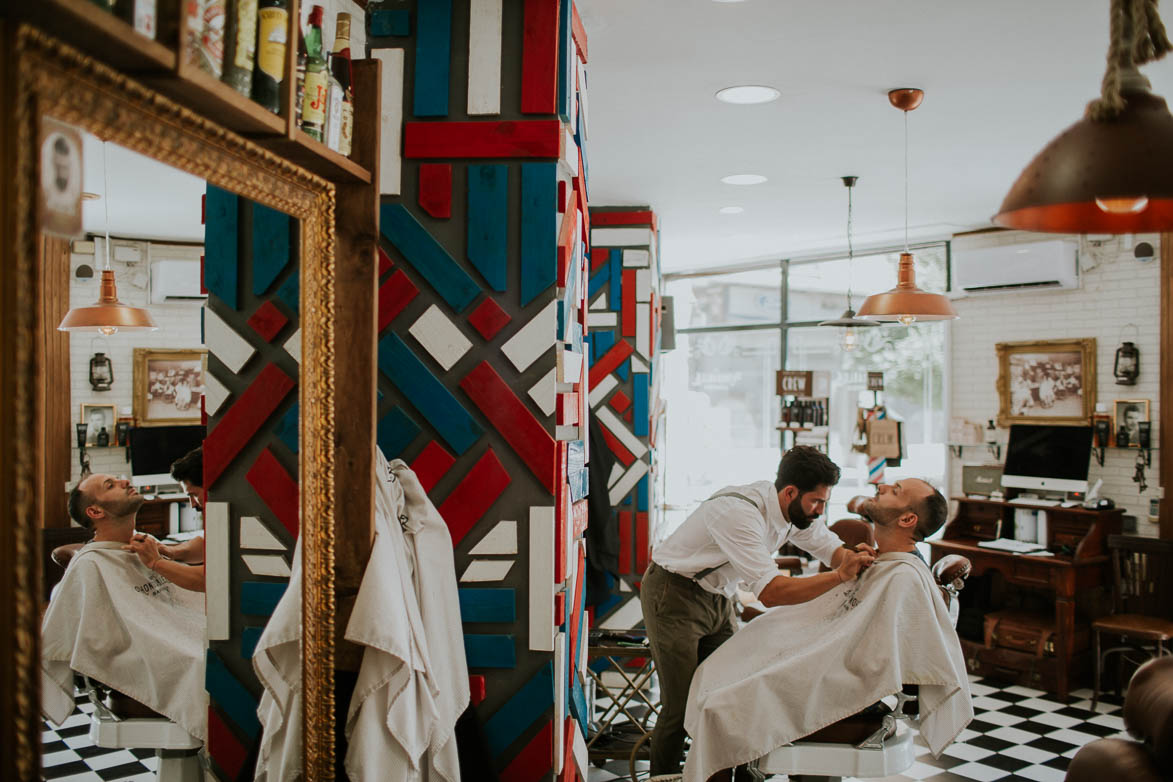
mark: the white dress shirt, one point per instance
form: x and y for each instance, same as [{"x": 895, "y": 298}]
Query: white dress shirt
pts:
[{"x": 741, "y": 539}]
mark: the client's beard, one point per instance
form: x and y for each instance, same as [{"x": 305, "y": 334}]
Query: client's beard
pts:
[
  {"x": 123, "y": 508},
  {"x": 796, "y": 515}
]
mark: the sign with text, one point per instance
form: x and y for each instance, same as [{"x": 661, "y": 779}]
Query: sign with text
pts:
[
  {"x": 875, "y": 381},
  {"x": 791, "y": 383}
]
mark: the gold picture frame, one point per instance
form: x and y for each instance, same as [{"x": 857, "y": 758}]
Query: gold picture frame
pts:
[
  {"x": 1047, "y": 381},
  {"x": 168, "y": 386}
]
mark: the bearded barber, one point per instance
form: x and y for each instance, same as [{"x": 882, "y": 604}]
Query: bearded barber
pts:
[{"x": 730, "y": 540}]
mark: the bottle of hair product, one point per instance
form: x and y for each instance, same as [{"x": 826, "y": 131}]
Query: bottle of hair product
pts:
[
  {"x": 340, "y": 68},
  {"x": 317, "y": 79},
  {"x": 240, "y": 46},
  {"x": 103, "y": 438},
  {"x": 269, "y": 75}
]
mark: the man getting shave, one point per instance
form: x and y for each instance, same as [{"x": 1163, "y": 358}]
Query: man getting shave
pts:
[{"x": 730, "y": 540}]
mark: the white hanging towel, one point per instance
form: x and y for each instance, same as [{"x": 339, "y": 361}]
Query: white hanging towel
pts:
[
  {"x": 277, "y": 662},
  {"x": 114, "y": 620},
  {"x": 796, "y": 669}
]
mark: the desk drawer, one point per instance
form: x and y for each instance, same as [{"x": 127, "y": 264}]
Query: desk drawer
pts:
[{"x": 1031, "y": 573}]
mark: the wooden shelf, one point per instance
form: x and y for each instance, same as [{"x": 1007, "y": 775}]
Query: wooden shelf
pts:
[
  {"x": 101, "y": 34},
  {"x": 312, "y": 154},
  {"x": 199, "y": 91}
]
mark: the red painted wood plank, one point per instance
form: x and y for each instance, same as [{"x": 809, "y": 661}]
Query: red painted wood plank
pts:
[
  {"x": 224, "y": 747},
  {"x": 538, "y": 138},
  {"x": 524, "y": 433},
  {"x": 642, "y": 550},
  {"x": 624, "y": 542},
  {"x": 600, "y": 256},
  {"x": 578, "y": 32},
  {"x": 243, "y": 420},
  {"x": 567, "y": 409},
  {"x": 617, "y": 448},
  {"x": 488, "y": 318},
  {"x": 394, "y": 295},
  {"x": 580, "y": 512},
  {"x": 561, "y": 196},
  {"x": 566, "y": 237},
  {"x": 628, "y": 285},
  {"x": 277, "y": 489},
  {"x": 474, "y": 495},
  {"x": 576, "y": 611},
  {"x": 640, "y": 217},
  {"x": 384, "y": 262},
  {"x": 539, "y": 57},
  {"x": 435, "y": 190},
  {"x": 620, "y": 401},
  {"x": 627, "y": 416},
  {"x": 569, "y": 766},
  {"x": 432, "y": 464},
  {"x": 267, "y": 321},
  {"x": 476, "y": 689},
  {"x": 580, "y": 186},
  {"x": 559, "y": 609},
  {"x": 609, "y": 361},
  {"x": 535, "y": 759}
]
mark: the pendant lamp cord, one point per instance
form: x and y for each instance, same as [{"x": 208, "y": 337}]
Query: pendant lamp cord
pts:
[
  {"x": 906, "y": 181},
  {"x": 106, "y": 202},
  {"x": 850, "y": 249},
  {"x": 1137, "y": 37}
]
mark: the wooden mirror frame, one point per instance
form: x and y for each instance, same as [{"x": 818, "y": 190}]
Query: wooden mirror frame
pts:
[{"x": 46, "y": 77}]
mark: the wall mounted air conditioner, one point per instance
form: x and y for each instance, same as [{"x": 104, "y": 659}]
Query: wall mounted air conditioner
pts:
[
  {"x": 1026, "y": 266},
  {"x": 173, "y": 279}
]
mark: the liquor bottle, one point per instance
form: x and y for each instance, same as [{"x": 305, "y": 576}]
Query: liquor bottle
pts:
[
  {"x": 211, "y": 51},
  {"x": 269, "y": 75},
  {"x": 785, "y": 415},
  {"x": 340, "y": 67},
  {"x": 240, "y": 46},
  {"x": 299, "y": 69},
  {"x": 317, "y": 79},
  {"x": 139, "y": 14},
  {"x": 332, "y": 131}
]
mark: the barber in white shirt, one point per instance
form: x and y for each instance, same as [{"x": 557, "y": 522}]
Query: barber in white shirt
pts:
[{"x": 730, "y": 540}]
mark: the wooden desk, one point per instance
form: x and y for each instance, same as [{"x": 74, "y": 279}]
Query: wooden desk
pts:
[
  {"x": 1083, "y": 567},
  {"x": 155, "y": 516}
]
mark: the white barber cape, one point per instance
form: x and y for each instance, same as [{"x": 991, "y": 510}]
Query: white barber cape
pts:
[
  {"x": 797, "y": 669},
  {"x": 413, "y": 682},
  {"x": 114, "y": 620}
]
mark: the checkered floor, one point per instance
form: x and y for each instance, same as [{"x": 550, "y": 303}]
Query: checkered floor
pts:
[
  {"x": 68, "y": 753},
  {"x": 1017, "y": 734}
]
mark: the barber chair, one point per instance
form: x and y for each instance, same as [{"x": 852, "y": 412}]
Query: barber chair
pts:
[
  {"x": 1148, "y": 716},
  {"x": 120, "y": 722}
]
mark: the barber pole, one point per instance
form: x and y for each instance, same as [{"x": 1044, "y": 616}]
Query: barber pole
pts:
[{"x": 876, "y": 466}]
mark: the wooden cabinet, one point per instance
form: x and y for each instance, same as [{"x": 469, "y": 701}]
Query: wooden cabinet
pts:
[
  {"x": 1044, "y": 604},
  {"x": 155, "y": 517}
]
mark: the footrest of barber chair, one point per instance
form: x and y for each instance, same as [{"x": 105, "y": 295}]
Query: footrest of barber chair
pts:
[
  {"x": 843, "y": 760},
  {"x": 139, "y": 733}
]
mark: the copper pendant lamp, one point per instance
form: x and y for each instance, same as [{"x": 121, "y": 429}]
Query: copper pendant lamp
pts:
[
  {"x": 1111, "y": 172},
  {"x": 906, "y": 303},
  {"x": 109, "y": 315},
  {"x": 848, "y": 320}
]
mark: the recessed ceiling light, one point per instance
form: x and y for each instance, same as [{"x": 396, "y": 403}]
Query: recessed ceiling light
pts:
[
  {"x": 731, "y": 210},
  {"x": 747, "y": 94},
  {"x": 743, "y": 179}
]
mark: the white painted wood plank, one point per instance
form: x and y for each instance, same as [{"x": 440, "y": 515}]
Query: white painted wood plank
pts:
[
  {"x": 579, "y": 747},
  {"x": 569, "y": 365},
  {"x": 217, "y": 571},
  {"x": 544, "y": 392},
  {"x": 570, "y": 152},
  {"x": 625, "y": 484},
  {"x": 560, "y": 681},
  {"x": 596, "y": 320},
  {"x": 502, "y": 539},
  {"x": 608, "y": 419},
  {"x": 616, "y": 474},
  {"x": 622, "y": 237},
  {"x": 255, "y": 535},
  {"x": 623, "y": 585},
  {"x": 643, "y": 285},
  {"x": 266, "y": 565},
  {"x": 391, "y": 120},
  {"x": 637, "y": 365},
  {"x": 541, "y": 578},
  {"x": 533, "y": 339},
  {"x": 600, "y": 302},
  {"x": 567, "y": 433},
  {"x": 293, "y": 345},
  {"x": 636, "y": 258},
  {"x": 643, "y": 329},
  {"x": 440, "y": 337},
  {"x": 215, "y": 393},
  {"x": 224, "y": 343},
  {"x": 487, "y": 570},
  {"x": 626, "y": 617},
  {"x": 603, "y": 390},
  {"x": 582, "y": 99},
  {"x": 484, "y": 57}
]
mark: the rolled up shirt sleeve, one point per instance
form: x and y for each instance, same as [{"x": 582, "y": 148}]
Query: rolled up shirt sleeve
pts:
[
  {"x": 736, "y": 527},
  {"x": 817, "y": 540}
]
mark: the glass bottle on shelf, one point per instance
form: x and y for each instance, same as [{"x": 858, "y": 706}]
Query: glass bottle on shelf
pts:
[
  {"x": 269, "y": 75},
  {"x": 313, "y": 104},
  {"x": 103, "y": 438},
  {"x": 340, "y": 68},
  {"x": 240, "y": 46}
]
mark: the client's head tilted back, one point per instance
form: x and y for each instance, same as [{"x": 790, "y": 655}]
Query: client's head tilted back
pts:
[
  {"x": 189, "y": 471},
  {"x": 100, "y": 501},
  {"x": 932, "y": 513},
  {"x": 905, "y": 512}
]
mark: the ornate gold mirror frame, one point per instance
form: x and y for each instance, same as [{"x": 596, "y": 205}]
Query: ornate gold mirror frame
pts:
[{"x": 45, "y": 77}]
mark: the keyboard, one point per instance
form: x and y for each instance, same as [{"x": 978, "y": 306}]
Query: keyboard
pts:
[
  {"x": 1034, "y": 501},
  {"x": 1013, "y": 546}
]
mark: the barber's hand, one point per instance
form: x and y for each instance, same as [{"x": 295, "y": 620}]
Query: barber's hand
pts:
[
  {"x": 866, "y": 547},
  {"x": 853, "y": 564},
  {"x": 147, "y": 549}
]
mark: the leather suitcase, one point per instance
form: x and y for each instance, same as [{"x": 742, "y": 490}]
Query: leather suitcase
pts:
[{"x": 1027, "y": 632}]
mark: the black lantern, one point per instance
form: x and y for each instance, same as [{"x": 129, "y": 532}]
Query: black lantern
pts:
[
  {"x": 101, "y": 372},
  {"x": 1127, "y": 366}
]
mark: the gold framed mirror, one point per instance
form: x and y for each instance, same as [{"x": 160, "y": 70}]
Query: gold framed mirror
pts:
[{"x": 50, "y": 79}]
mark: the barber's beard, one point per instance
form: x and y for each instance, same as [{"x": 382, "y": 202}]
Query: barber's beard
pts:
[{"x": 796, "y": 515}]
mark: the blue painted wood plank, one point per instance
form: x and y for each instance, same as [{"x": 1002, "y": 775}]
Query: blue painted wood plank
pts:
[
  {"x": 271, "y": 246},
  {"x": 601, "y": 342},
  {"x": 615, "y": 291},
  {"x": 433, "y": 45},
  {"x": 233, "y": 698},
  {"x": 639, "y": 401},
  {"x": 287, "y": 428},
  {"x": 567, "y": 62},
  {"x": 427, "y": 256},
  {"x": 395, "y": 432},
  {"x": 221, "y": 224},
  {"x": 488, "y": 605},
  {"x": 249, "y": 637},
  {"x": 488, "y": 223},
  {"x": 384, "y": 22},
  {"x": 578, "y": 705},
  {"x": 641, "y": 494},
  {"x": 527, "y": 705},
  {"x": 623, "y": 370},
  {"x": 539, "y": 228},
  {"x": 490, "y": 651},
  {"x": 598, "y": 280},
  {"x": 429, "y": 396},
  {"x": 260, "y": 598},
  {"x": 290, "y": 293}
]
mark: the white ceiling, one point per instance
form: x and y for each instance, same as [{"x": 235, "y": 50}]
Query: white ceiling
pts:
[{"x": 1001, "y": 78}]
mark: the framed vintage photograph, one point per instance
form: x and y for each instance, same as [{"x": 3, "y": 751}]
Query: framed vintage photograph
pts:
[
  {"x": 59, "y": 195},
  {"x": 1128, "y": 414},
  {"x": 168, "y": 386},
  {"x": 1047, "y": 382},
  {"x": 98, "y": 418}
]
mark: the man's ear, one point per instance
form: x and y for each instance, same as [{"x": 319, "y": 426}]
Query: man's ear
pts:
[
  {"x": 94, "y": 512},
  {"x": 788, "y": 494},
  {"x": 908, "y": 520}
]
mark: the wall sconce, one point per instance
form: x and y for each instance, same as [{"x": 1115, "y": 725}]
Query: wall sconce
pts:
[
  {"x": 1127, "y": 366},
  {"x": 101, "y": 372}
]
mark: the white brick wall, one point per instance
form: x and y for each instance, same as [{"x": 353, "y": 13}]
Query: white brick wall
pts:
[
  {"x": 1118, "y": 291},
  {"x": 179, "y": 327}
]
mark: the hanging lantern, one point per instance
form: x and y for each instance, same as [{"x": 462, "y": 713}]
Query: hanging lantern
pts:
[
  {"x": 101, "y": 372},
  {"x": 1127, "y": 366}
]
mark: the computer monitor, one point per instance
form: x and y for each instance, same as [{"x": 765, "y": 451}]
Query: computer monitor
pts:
[
  {"x": 154, "y": 448},
  {"x": 1051, "y": 458}
]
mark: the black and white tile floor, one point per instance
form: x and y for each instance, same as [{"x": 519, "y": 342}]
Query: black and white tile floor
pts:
[
  {"x": 68, "y": 755},
  {"x": 1017, "y": 734}
]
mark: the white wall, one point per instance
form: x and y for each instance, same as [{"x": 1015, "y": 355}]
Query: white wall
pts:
[
  {"x": 179, "y": 327},
  {"x": 1117, "y": 291}
]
